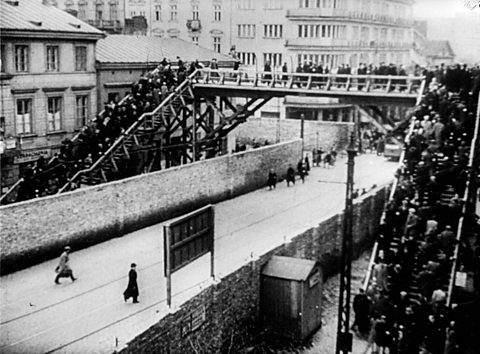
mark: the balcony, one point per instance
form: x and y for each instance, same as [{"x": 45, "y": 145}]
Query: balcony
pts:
[
  {"x": 316, "y": 42},
  {"x": 106, "y": 25},
  {"x": 194, "y": 25},
  {"x": 316, "y": 12}
]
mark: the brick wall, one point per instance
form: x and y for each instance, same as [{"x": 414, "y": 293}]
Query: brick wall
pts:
[
  {"x": 273, "y": 130},
  {"x": 232, "y": 307},
  {"x": 36, "y": 230}
]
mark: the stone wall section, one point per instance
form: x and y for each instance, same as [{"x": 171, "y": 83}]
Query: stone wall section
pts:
[
  {"x": 36, "y": 230},
  {"x": 325, "y": 134},
  {"x": 232, "y": 307}
]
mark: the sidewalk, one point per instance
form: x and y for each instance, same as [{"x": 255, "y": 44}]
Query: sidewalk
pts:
[{"x": 89, "y": 315}]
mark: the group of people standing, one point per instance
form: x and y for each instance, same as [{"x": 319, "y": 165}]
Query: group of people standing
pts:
[
  {"x": 47, "y": 177},
  {"x": 404, "y": 309}
]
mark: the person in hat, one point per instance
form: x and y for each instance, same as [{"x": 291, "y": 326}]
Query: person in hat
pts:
[
  {"x": 132, "y": 288},
  {"x": 63, "y": 269}
]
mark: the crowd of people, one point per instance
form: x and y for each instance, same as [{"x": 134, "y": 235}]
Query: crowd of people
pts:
[
  {"x": 47, "y": 177},
  {"x": 404, "y": 309}
]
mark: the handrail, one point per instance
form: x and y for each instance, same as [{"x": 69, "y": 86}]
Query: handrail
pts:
[
  {"x": 306, "y": 75},
  {"x": 133, "y": 127},
  {"x": 390, "y": 197},
  {"x": 122, "y": 101},
  {"x": 453, "y": 271},
  {"x": 11, "y": 189}
]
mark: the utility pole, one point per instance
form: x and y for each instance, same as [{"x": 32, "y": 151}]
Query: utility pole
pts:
[
  {"x": 302, "y": 131},
  {"x": 344, "y": 337}
]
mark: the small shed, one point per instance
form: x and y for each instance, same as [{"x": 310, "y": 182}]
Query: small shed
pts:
[{"x": 291, "y": 297}]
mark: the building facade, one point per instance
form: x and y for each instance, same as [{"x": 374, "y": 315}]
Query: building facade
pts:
[
  {"x": 332, "y": 32},
  {"x": 48, "y": 82},
  {"x": 106, "y": 15}
]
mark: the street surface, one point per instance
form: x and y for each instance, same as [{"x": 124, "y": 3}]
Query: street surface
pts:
[{"x": 90, "y": 316}]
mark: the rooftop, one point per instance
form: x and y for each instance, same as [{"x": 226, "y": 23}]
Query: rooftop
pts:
[
  {"x": 288, "y": 268},
  {"x": 20, "y": 16},
  {"x": 142, "y": 49}
]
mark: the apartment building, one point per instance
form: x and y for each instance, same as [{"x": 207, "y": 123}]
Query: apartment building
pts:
[
  {"x": 333, "y": 32},
  {"x": 48, "y": 81},
  {"x": 106, "y": 15}
]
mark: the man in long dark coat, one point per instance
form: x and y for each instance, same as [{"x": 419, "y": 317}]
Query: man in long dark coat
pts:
[
  {"x": 132, "y": 288},
  {"x": 361, "y": 306},
  {"x": 63, "y": 269}
]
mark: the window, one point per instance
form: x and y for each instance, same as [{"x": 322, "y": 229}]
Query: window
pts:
[
  {"x": 142, "y": 13},
  {"x": 217, "y": 13},
  {"x": 195, "y": 14},
  {"x": 158, "y": 13},
  {"x": 113, "y": 12},
  {"x": 112, "y": 97},
  {"x": 3, "y": 58},
  {"x": 99, "y": 11},
  {"x": 21, "y": 58},
  {"x": 132, "y": 13},
  {"x": 246, "y": 4},
  {"x": 305, "y": 3},
  {"x": 81, "y": 111},
  {"x": 273, "y": 31},
  {"x": 23, "y": 118},
  {"x": 52, "y": 58},
  {"x": 195, "y": 39},
  {"x": 275, "y": 59},
  {"x": 247, "y": 58},
  {"x": 82, "y": 11},
  {"x": 216, "y": 44},
  {"x": 173, "y": 13},
  {"x": 246, "y": 31},
  {"x": 54, "y": 113},
  {"x": 273, "y": 4},
  {"x": 81, "y": 58}
]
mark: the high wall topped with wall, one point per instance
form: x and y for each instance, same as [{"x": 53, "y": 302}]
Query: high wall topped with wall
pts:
[
  {"x": 225, "y": 317},
  {"x": 38, "y": 229}
]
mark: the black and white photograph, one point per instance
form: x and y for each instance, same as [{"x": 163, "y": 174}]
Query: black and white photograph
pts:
[{"x": 240, "y": 177}]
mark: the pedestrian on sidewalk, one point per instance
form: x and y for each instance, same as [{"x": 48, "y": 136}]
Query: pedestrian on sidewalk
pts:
[
  {"x": 361, "y": 306},
  {"x": 290, "y": 176},
  {"x": 63, "y": 269},
  {"x": 132, "y": 288},
  {"x": 301, "y": 170},
  {"x": 272, "y": 180}
]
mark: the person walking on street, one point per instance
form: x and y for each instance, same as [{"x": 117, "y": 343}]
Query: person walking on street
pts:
[
  {"x": 301, "y": 171},
  {"x": 132, "y": 288},
  {"x": 272, "y": 180},
  {"x": 63, "y": 269},
  {"x": 290, "y": 176}
]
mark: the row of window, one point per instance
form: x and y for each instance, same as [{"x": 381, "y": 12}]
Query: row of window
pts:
[
  {"x": 99, "y": 11},
  {"x": 52, "y": 58},
  {"x": 267, "y": 4},
  {"x": 363, "y": 33},
  {"x": 249, "y": 58},
  {"x": 327, "y": 4},
  {"x": 269, "y": 31},
  {"x": 173, "y": 13},
  {"x": 25, "y": 113},
  {"x": 322, "y": 31},
  {"x": 334, "y": 60}
]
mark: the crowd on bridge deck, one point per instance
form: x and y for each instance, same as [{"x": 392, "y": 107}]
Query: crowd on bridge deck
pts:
[
  {"x": 47, "y": 177},
  {"x": 404, "y": 309}
]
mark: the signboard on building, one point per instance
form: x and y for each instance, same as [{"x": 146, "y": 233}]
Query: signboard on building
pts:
[{"x": 32, "y": 155}]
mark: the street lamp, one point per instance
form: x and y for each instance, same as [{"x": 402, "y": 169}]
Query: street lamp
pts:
[{"x": 344, "y": 337}]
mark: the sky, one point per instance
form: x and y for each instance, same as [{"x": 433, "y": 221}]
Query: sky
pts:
[{"x": 443, "y": 8}]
